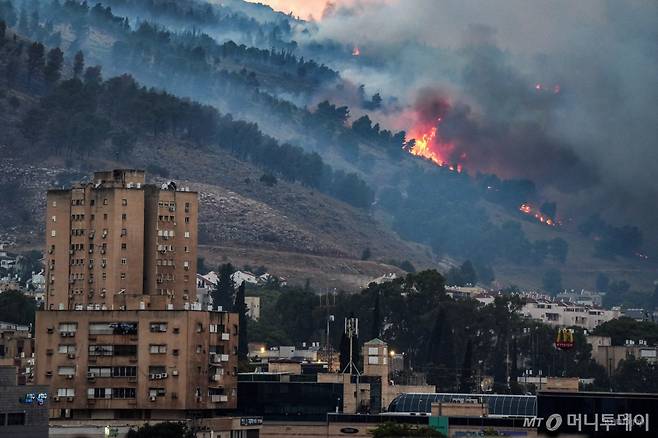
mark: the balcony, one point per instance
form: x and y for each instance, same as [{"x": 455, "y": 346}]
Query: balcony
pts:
[{"x": 219, "y": 398}]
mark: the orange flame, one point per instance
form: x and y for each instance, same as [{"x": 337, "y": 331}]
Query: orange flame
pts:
[
  {"x": 356, "y": 51},
  {"x": 429, "y": 145},
  {"x": 527, "y": 209}
]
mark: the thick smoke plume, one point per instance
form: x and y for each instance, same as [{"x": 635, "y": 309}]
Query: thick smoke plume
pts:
[{"x": 563, "y": 92}]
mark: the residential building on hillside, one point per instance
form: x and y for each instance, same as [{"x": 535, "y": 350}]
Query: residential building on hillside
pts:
[{"x": 560, "y": 314}]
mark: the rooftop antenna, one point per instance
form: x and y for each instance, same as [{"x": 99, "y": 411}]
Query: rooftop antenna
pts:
[{"x": 352, "y": 330}]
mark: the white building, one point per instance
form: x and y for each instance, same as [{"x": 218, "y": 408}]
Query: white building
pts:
[{"x": 561, "y": 314}]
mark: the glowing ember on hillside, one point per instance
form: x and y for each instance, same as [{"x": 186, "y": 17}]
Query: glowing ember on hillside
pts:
[
  {"x": 527, "y": 209},
  {"x": 356, "y": 51}
]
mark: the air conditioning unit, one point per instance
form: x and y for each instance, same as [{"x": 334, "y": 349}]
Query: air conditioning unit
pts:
[
  {"x": 174, "y": 373},
  {"x": 165, "y": 375},
  {"x": 69, "y": 376},
  {"x": 91, "y": 375},
  {"x": 71, "y": 355},
  {"x": 153, "y": 398},
  {"x": 224, "y": 357},
  {"x": 226, "y": 336},
  {"x": 151, "y": 376},
  {"x": 70, "y": 399},
  {"x": 158, "y": 376},
  {"x": 56, "y": 398}
]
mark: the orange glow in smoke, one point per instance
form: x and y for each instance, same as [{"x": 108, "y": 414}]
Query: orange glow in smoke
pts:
[{"x": 356, "y": 51}]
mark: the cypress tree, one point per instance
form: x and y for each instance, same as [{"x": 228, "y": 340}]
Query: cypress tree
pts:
[
  {"x": 465, "y": 384},
  {"x": 376, "y": 319},
  {"x": 240, "y": 307}
]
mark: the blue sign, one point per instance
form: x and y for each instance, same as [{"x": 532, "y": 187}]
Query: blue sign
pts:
[{"x": 34, "y": 398}]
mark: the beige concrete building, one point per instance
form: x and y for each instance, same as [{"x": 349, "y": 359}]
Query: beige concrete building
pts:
[
  {"x": 609, "y": 356},
  {"x": 150, "y": 364},
  {"x": 122, "y": 336},
  {"x": 116, "y": 241}
]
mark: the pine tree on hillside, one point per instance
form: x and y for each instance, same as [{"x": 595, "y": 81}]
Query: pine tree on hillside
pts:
[{"x": 78, "y": 64}]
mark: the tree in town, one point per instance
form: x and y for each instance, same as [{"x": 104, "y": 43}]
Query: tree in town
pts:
[
  {"x": 466, "y": 376},
  {"x": 17, "y": 308},
  {"x": 222, "y": 295},
  {"x": 376, "y": 319},
  {"x": 240, "y": 307}
]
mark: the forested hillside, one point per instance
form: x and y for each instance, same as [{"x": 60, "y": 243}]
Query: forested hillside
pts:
[{"x": 265, "y": 105}]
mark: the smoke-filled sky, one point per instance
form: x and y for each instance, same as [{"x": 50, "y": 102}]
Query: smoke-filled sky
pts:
[{"x": 565, "y": 90}]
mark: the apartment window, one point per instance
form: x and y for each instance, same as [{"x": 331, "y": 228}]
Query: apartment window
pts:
[
  {"x": 187, "y": 234},
  {"x": 186, "y": 265},
  {"x": 54, "y": 218},
  {"x": 68, "y": 327},
  {"x": 104, "y": 216},
  {"x": 54, "y": 203},
  {"x": 124, "y": 246},
  {"x": 125, "y": 350},
  {"x": 65, "y": 392},
  {"x": 104, "y": 275},
  {"x": 66, "y": 349},
  {"x": 187, "y": 219},
  {"x": 158, "y": 327},
  {"x": 99, "y": 393},
  {"x": 101, "y": 350},
  {"x": 124, "y": 216},
  {"x": 53, "y": 233},
  {"x": 187, "y": 249},
  {"x": 123, "y": 393},
  {"x": 93, "y": 216},
  {"x": 187, "y": 207},
  {"x": 124, "y": 231},
  {"x": 99, "y": 371},
  {"x": 124, "y": 371},
  {"x": 123, "y": 275},
  {"x": 101, "y": 328},
  {"x": 124, "y": 202},
  {"x": 105, "y": 201},
  {"x": 15, "y": 419},
  {"x": 157, "y": 369},
  {"x": 157, "y": 392},
  {"x": 124, "y": 261},
  {"x": 92, "y": 202},
  {"x": 199, "y": 348},
  {"x": 158, "y": 349},
  {"x": 66, "y": 371}
]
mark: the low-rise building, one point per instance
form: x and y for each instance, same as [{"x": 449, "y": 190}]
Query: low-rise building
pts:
[
  {"x": 609, "y": 356},
  {"x": 561, "y": 314},
  {"x": 137, "y": 364},
  {"x": 17, "y": 349},
  {"x": 23, "y": 409}
]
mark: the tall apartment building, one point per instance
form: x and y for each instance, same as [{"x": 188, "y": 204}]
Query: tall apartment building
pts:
[
  {"x": 122, "y": 335},
  {"x": 116, "y": 242}
]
